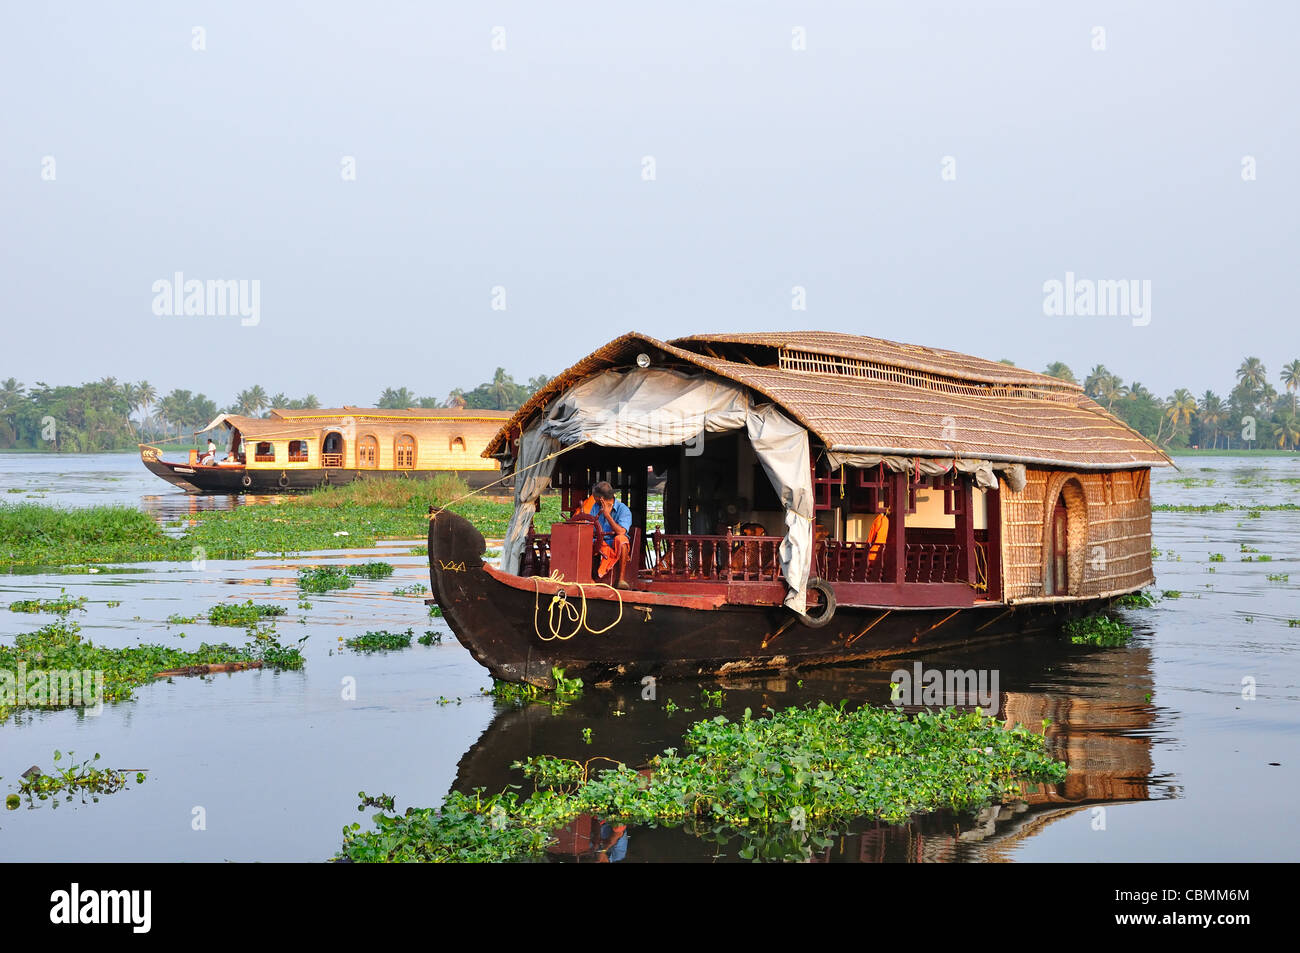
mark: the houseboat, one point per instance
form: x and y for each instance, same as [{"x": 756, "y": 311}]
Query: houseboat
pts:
[
  {"x": 303, "y": 449},
  {"x": 828, "y": 498}
]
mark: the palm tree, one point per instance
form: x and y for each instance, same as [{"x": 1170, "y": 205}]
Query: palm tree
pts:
[
  {"x": 1104, "y": 387},
  {"x": 1291, "y": 378},
  {"x": 396, "y": 399},
  {"x": 170, "y": 410},
  {"x": 1252, "y": 373},
  {"x": 1094, "y": 378},
  {"x": 1288, "y": 431},
  {"x": 1212, "y": 413},
  {"x": 146, "y": 394},
  {"x": 456, "y": 398},
  {"x": 501, "y": 387},
  {"x": 279, "y": 400},
  {"x": 1180, "y": 408},
  {"x": 251, "y": 401},
  {"x": 131, "y": 394},
  {"x": 258, "y": 398},
  {"x": 1060, "y": 371},
  {"x": 11, "y": 392},
  {"x": 310, "y": 402}
]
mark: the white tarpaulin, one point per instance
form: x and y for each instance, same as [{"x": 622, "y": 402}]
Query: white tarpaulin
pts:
[
  {"x": 655, "y": 407},
  {"x": 1013, "y": 473}
]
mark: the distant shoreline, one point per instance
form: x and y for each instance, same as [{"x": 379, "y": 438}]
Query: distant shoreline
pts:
[{"x": 1262, "y": 452}]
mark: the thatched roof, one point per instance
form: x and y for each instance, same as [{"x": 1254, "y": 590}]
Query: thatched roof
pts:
[{"x": 865, "y": 395}]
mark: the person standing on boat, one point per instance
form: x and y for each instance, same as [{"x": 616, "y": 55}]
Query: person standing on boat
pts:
[{"x": 615, "y": 521}]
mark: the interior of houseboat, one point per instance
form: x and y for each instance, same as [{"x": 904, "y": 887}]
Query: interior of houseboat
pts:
[{"x": 720, "y": 528}]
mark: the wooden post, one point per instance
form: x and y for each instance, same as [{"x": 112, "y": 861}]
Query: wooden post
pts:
[
  {"x": 639, "y": 491},
  {"x": 897, "y": 543},
  {"x": 993, "y": 519},
  {"x": 965, "y": 528},
  {"x": 673, "y": 523}
]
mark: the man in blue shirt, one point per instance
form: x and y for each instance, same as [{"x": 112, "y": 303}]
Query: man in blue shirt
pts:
[{"x": 615, "y": 521}]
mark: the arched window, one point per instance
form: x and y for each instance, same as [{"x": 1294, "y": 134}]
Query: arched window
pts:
[
  {"x": 331, "y": 450},
  {"x": 297, "y": 451},
  {"x": 264, "y": 452},
  {"x": 457, "y": 444},
  {"x": 368, "y": 452},
  {"x": 404, "y": 452}
]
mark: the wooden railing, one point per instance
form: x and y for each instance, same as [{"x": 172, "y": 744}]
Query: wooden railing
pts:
[
  {"x": 330, "y": 459},
  {"x": 727, "y": 558},
  {"x": 852, "y": 562},
  {"x": 537, "y": 555},
  {"x": 264, "y": 457},
  {"x": 688, "y": 558},
  {"x": 932, "y": 562}
]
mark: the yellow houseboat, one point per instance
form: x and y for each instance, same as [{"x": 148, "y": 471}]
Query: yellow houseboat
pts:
[{"x": 302, "y": 449}]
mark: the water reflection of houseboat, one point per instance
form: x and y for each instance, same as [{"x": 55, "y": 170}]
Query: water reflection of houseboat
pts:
[
  {"x": 903, "y": 495},
  {"x": 1101, "y": 724},
  {"x": 303, "y": 449}
]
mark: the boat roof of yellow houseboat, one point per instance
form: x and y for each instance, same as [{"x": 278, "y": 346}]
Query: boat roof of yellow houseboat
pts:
[{"x": 304, "y": 424}]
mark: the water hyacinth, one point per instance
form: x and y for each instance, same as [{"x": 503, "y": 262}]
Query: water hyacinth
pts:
[
  {"x": 754, "y": 779},
  {"x": 60, "y": 646},
  {"x": 381, "y": 640},
  {"x": 242, "y": 613}
]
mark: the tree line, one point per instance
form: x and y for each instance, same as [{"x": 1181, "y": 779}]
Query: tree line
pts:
[
  {"x": 116, "y": 415},
  {"x": 112, "y": 415},
  {"x": 500, "y": 393},
  {"x": 1254, "y": 415}
]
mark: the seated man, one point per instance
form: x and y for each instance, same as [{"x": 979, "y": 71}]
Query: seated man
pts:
[{"x": 615, "y": 521}]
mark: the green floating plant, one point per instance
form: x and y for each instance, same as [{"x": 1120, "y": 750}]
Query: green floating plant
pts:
[{"x": 776, "y": 784}]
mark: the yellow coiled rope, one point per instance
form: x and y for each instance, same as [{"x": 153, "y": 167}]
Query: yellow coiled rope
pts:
[
  {"x": 981, "y": 569},
  {"x": 562, "y": 610}
]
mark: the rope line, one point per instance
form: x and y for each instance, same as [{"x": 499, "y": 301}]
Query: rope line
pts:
[
  {"x": 516, "y": 473},
  {"x": 561, "y": 610}
]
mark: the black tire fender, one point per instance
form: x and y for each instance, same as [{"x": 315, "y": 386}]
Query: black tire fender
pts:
[
  {"x": 828, "y": 607},
  {"x": 284, "y": 479},
  {"x": 247, "y": 481}
]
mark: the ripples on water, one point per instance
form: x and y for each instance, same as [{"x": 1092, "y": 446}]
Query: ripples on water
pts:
[{"x": 1168, "y": 761}]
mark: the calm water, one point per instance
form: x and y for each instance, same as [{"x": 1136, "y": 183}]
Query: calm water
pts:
[{"x": 1168, "y": 761}]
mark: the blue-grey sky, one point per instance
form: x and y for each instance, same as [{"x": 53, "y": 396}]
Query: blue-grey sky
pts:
[{"x": 524, "y": 168}]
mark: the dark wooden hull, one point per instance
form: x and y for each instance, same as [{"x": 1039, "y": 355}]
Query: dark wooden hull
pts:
[
  {"x": 506, "y": 623},
  {"x": 219, "y": 479}
]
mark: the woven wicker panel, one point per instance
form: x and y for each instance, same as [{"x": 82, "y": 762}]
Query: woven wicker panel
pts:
[{"x": 1115, "y": 552}]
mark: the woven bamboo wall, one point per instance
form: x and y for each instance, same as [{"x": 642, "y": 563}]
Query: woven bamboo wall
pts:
[{"x": 1109, "y": 530}]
